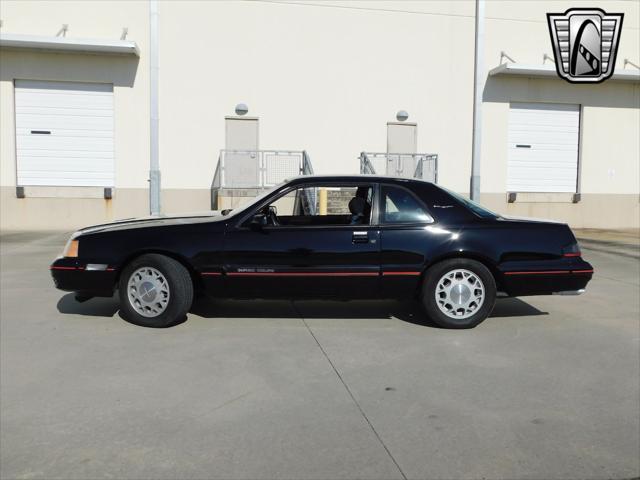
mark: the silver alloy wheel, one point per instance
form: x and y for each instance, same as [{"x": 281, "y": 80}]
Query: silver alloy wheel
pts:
[
  {"x": 459, "y": 294},
  {"x": 148, "y": 292}
]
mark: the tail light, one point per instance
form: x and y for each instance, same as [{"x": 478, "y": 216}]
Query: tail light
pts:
[{"x": 572, "y": 250}]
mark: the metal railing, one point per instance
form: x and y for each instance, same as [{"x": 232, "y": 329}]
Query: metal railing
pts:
[
  {"x": 408, "y": 165},
  {"x": 257, "y": 169}
]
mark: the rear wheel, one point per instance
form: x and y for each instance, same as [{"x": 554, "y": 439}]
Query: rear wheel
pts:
[
  {"x": 458, "y": 293},
  {"x": 155, "y": 291}
]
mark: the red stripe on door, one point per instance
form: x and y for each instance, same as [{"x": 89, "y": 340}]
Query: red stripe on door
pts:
[
  {"x": 311, "y": 274},
  {"x": 303, "y": 274},
  {"x": 410, "y": 274}
]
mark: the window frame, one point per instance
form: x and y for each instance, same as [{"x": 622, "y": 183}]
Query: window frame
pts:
[
  {"x": 243, "y": 224},
  {"x": 381, "y": 208}
]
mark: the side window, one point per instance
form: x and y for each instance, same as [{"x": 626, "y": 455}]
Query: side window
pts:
[
  {"x": 400, "y": 206},
  {"x": 322, "y": 205}
]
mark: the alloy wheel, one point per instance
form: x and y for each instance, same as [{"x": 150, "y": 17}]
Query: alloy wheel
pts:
[
  {"x": 148, "y": 292},
  {"x": 459, "y": 294}
]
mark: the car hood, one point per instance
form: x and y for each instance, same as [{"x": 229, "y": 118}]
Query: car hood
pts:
[
  {"x": 154, "y": 221},
  {"x": 528, "y": 219}
]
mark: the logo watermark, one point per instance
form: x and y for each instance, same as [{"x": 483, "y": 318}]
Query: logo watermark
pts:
[{"x": 585, "y": 43}]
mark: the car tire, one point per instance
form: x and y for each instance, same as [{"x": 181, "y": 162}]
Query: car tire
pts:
[
  {"x": 155, "y": 291},
  {"x": 458, "y": 293}
]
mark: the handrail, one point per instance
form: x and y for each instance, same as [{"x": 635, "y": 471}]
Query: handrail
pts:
[
  {"x": 307, "y": 169},
  {"x": 366, "y": 167},
  {"x": 401, "y": 164},
  {"x": 257, "y": 169}
]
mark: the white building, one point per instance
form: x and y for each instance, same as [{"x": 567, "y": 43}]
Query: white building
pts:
[{"x": 322, "y": 76}]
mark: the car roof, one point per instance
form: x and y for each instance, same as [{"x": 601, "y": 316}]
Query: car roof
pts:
[{"x": 351, "y": 178}]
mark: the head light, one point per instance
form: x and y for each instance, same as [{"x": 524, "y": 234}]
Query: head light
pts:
[{"x": 72, "y": 247}]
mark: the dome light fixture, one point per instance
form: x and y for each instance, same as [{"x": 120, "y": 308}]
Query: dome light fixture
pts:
[
  {"x": 402, "y": 115},
  {"x": 242, "y": 109}
]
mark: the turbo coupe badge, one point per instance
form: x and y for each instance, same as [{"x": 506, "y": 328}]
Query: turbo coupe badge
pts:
[{"x": 585, "y": 43}]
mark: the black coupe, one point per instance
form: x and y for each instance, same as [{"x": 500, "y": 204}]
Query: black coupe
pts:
[{"x": 327, "y": 236}]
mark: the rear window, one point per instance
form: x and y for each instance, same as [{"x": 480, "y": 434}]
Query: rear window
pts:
[{"x": 471, "y": 205}]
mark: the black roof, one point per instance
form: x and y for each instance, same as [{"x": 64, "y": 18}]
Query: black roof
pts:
[{"x": 351, "y": 178}]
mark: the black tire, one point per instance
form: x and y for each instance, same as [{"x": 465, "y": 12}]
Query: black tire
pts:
[
  {"x": 428, "y": 294},
  {"x": 180, "y": 287}
]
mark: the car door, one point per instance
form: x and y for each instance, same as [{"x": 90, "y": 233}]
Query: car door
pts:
[
  {"x": 406, "y": 238},
  {"x": 315, "y": 252}
]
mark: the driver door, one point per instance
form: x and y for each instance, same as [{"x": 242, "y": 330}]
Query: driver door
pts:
[{"x": 309, "y": 245}]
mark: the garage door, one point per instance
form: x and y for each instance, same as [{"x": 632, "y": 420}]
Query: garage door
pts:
[
  {"x": 543, "y": 147},
  {"x": 64, "y": 133}
]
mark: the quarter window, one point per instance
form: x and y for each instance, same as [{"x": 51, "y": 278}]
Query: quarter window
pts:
[{"x": 400, "y": 206}]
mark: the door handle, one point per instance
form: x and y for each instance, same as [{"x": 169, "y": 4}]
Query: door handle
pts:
[{"x": 360, "y": 237}]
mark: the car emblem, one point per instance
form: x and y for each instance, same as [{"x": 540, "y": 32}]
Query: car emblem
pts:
[{"x": 585, "y": 43}]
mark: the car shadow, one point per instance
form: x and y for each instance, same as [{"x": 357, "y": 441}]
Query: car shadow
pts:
[
  {"x": 514, "y": 307},
  {"x": 408, "y": 311},
  {"x": 94, "y": 307}
]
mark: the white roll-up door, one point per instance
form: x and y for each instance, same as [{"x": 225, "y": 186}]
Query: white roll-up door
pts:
[
  {"x": 64, "y": 133},
  {"x": 543, "y": 147}
]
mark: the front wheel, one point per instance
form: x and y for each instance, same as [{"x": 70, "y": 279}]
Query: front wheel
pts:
[
  {"x": 155, "y": 291},
  {"x": 458, "y": 293}
]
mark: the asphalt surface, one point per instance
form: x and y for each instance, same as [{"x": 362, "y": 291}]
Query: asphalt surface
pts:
[{"x": 548, "y": 387}]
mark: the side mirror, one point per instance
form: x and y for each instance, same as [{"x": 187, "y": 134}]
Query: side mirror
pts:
[{"x": 258, "y": 221}]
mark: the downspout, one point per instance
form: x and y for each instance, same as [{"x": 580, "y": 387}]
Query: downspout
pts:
[
  {"x": 478, "y": 81},
  {"x": 154, "y": 163}
]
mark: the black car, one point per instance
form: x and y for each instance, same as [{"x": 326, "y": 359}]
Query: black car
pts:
[{"x": 327, "y": 236}]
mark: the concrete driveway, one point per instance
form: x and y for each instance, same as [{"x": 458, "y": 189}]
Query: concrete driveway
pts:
[{"x": 548, "y": 387}]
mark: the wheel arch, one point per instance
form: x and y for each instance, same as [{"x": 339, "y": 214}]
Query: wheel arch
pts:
[
  {"x": 478, "y": 257},
  {"x": 195, "y": 278}
]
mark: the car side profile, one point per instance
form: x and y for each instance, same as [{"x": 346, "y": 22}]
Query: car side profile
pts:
[{"x": 342, "y": 237}]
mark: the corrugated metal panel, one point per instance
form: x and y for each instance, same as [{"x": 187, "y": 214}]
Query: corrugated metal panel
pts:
[
  {"x": 64, "y": 133},
  {"x": 543, "y": 147}
]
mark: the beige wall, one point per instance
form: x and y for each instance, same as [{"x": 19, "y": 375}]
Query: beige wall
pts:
[
  {"x": 325, "y": 77},
  {"x": 610, "y": 119},
  {"x": 129, "y": 75},
  {"x": 322, "y": 79}
]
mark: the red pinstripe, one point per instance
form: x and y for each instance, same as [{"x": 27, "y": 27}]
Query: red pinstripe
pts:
[
  {"x": 110, "y": 269},
  {"x": 549, "y": 272},
  {"x": 400, "y": 274},
  {"x": 311, "y": 274},
  {"x": 303, "y": 274}
]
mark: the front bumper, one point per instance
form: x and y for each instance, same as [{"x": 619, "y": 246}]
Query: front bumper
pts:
[{"x": 71, "y": 275}]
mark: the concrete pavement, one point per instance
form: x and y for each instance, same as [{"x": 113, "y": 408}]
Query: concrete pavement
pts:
[{"x": 548, "y": 387}]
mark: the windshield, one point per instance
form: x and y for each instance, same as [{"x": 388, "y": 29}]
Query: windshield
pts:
[
  {"x": 471, "y": 205},
  {"x": 255, "y": 200}
]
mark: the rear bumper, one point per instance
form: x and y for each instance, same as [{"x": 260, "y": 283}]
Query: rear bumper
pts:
[
  {"x": 71, "y": 275},
  {"x": 566, "y": 276}
]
